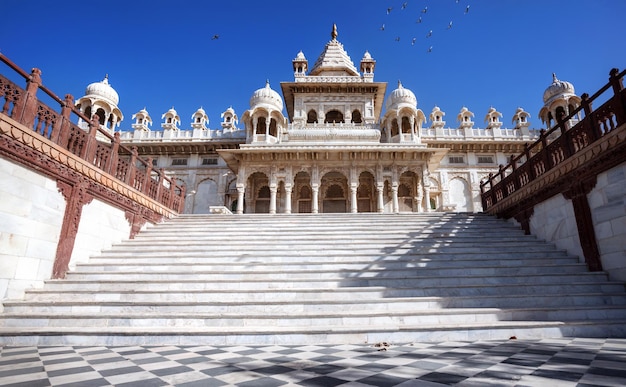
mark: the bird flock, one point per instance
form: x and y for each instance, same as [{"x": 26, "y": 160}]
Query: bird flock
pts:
[{"x": 421, "y": 12}]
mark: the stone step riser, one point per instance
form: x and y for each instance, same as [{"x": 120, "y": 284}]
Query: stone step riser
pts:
[
  {"x": 344, "y": 256},
  {"x": 305, "y": 321},
  {"x": 312, "y": 337},
  {"x": 449, "y": 268},
  {"x": 313, "y": 304},
  {"x": 191, "y": 284},
  {"x": 456, "y": 272},
  {"x": 277, "y": 292}
]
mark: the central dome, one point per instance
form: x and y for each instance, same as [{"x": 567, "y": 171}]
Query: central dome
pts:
[
  {"x": 103, "y": 90},
  {"x": 266, "y": 96},
  {"x": 401, "y": 97},
  {"x": 557, "y": 87}
]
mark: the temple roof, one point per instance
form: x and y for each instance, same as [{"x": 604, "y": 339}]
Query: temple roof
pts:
[{"x": 334, "y": 60}]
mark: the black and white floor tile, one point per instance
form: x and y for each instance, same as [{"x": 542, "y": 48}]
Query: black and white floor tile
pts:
[{"x": 549, "y": 362}]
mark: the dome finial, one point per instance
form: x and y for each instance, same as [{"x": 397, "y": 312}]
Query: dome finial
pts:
[
  {"x": 333, "y": 34},
  {"x": 399, "y": 84},
  {"x": 554, "y": 79}
]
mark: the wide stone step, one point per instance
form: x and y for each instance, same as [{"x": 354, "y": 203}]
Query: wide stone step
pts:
[
  {"x": 423, "y": 271},
  {"x": 337, "y": 318},
  {"x": 303, "y": 301},
  {"x": 323, "y": 290},
  {"x": 192, "y": 283},
  {"x": 267, "y": 335}
]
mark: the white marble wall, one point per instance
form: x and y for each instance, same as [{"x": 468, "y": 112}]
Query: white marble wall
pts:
[
  {"x": 554, "y": 221},
  {"x": 608, "y": 209},
  {"x": 101, "y": 226},
  {"x": 31, "y": 215}
]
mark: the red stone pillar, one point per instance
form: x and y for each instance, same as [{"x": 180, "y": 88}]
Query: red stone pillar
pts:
[{"x": 76, "y": 196}]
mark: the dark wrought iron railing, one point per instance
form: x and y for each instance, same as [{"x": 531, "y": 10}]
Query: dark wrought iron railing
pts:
[
  {"x": 560, "y": 142},
  {"x": 110, "y": 156}
]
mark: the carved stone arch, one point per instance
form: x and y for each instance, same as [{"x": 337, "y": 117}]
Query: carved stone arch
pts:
[
  {"x": 334, "y": 183},
  {"x": 366, "y": 191},
  {"x": 302, "y": 195},
  {"x": 311, "y": 116},
  {"x": 357, "y": 117},
  {"x": 334, "y": 115},
  {"x": 460, "y": 193},
  {"x": 205, "y": 196}
]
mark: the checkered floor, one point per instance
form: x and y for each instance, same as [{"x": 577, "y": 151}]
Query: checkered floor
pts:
[{"x": 553, "y": 363}]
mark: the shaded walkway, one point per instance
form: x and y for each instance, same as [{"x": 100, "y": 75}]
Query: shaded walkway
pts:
[{"x": 547, "y": 362}]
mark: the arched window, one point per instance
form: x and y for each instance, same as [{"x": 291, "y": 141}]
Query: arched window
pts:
[
  {"x": 261, "y": 126},
  {"x": 560, "y": 113},
  {"x": 334, "y": 192},
  {"x": 406, "y": 125},
  {"x": 394, "y": 128},
  {"x": 100, "y": 114},
  {"x": 273, "y": 130},
  {"x": 264, "y": 193},
  {"x": 311, "y": 117},
  {"x": 356, "y": 117},
  {"x": 334, "y": 116}
]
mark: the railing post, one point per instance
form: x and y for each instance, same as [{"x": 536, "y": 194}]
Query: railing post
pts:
[
  {"x": 595, "y": 129},
  {"x": 132, "y": 167},
  {"x": 620, "y": 97},
  {"x": 147, "y": 179},
  {"x": 61, "y": 132},
  {"x": 544, "y": 150},
  {"x": 111, "y": 166},
  {"x": 89, "y": 149},
  {"x": 183, "y": 198},
  {"x": 25, "y": 110}
]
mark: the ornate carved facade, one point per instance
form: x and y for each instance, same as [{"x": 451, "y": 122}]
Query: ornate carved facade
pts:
[{"x": 335, "y": 142}]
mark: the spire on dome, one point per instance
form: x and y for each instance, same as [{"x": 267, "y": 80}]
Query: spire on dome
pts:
[
  {"x": 554, "y": 79},
  {"x": 333, "y": 34}
]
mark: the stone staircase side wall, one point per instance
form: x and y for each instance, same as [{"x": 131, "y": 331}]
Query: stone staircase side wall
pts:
[
  {"x": 553, "y": 220},
  {"x": 31, "y": 217}
]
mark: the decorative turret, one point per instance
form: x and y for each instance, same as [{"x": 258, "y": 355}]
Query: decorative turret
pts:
[
  {"x": 170, "y": 120},
  {"x": 493, "y": 119},
  {"x": 559, "y": 100},
  {"x": 265, "y": 121},
  {"x": 229, "y": 119},
  {"x": 199, "y": 120},
  {"x": 465, "y": 118},
  {"x": 300, "y": 65},
  {"x": 142, "y": 121},
  {"x": 101, "y": 99},
  {"x": 520, "y": 119},
  {"x": 403, "y": 120},
  {"x": 436, "y": 118},
  {"x": 367, "y": 66}
]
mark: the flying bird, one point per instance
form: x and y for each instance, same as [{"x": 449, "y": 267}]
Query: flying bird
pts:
[
  {"x": 413, "y": 42},
  {"x": 382, "y": 28},
  {"x": 215, "y": 37},
  {"x": 450, "y": 25},
  {"x": 430, "y": 33},
  {"x": 389, "y": 10},
  {"x": 467, "y": 9},
  {"x": 425, "y": 10},
  {"x": 397, "y": 39},
  {"x": 419, "y": 20},
  {"x": 430, "y": 49},
  {"x": 404, "y": 5}
]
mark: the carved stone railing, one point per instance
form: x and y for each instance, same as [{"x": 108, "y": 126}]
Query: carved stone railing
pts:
[
  {"x": 110, "y": 156},
  {"x": 565, "y": 160}
]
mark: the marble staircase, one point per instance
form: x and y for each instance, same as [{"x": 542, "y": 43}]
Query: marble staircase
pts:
[{"x": 325, "y": 278}]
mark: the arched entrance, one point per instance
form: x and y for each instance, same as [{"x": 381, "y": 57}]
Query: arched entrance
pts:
[
  {"x": 334, "y": 191},
  {"x": 259, "y": 191},
  {"x": 365, "y": 193},
  {"x": 407, "y": 192},
  {"x": 205, "y": 196},
  {"x": 303, "y": 193},
  {"x": 460, "y": 194}
]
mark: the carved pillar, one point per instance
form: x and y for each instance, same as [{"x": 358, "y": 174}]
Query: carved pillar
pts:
[
  {"x": 241, "y": 190},
  {"x": 380, "y": 201},
  {"x": 76, "y": 196},
  {"x": 353, "y": 198},
  {"x": 586, "y": 232},
  {"x": 288, "y": 189},
  {"x": 394, "y": 197},
  {"x": 314, "y": 200},
  {"x": 273, "y": 190}
]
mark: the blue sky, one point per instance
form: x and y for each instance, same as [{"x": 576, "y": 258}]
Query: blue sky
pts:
[{"x": 160, "y": 54}]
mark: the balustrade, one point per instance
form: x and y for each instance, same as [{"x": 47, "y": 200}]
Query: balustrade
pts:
[
  {"x": 109, "y": 155},
  {"x": 545, "y": 154}
]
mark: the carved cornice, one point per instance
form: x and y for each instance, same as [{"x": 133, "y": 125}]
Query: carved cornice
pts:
[{"x": 28, "y": 148}]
